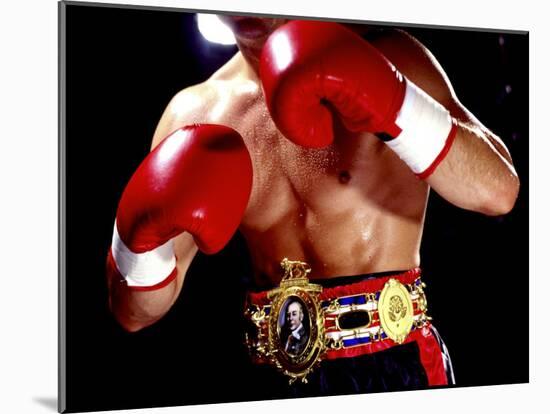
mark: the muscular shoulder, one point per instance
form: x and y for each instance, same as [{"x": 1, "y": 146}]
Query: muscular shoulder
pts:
[
  {"x": 183, "y": 109},
  {"x": 415, "y": 61},
  {"x": 206, "y": 102}
]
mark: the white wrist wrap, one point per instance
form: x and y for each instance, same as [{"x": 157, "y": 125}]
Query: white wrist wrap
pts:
[
  {"x": 425, "y": 126},
  {"x": 143, "y": 269}
]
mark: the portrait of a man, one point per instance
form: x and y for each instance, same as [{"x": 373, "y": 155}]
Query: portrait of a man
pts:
[{"x": 295, "y": 331}]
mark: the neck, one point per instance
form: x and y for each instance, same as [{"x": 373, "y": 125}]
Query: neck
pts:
[{"x": 251, "y": 52}]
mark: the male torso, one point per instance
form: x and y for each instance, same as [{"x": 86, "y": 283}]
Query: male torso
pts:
[{"x": 353, "y": 207}]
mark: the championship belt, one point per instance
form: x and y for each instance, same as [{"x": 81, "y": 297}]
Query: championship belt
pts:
[{"x": 298, "y": 324}]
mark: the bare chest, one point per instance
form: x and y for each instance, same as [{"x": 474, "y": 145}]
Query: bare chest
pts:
[
  {"x": 355, "y": 194},
  {"x": 354, "y": 170}
]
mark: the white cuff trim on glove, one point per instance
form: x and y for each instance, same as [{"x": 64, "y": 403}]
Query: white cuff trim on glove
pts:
[
  {"x": 426, "y": 125},
  {"x": 143, "y": 269}
]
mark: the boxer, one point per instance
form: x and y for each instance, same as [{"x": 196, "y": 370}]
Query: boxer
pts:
[{"x": 320, "y": 142}]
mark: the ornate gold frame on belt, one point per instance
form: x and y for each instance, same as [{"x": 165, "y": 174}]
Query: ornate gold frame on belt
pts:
[{"x": 298, "y": 324}]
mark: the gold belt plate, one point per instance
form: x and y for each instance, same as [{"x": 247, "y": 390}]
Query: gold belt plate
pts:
[{"x": 395, "y": 309}]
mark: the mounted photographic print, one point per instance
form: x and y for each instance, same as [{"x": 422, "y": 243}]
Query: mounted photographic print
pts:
[{"x": 259, "y": 207}]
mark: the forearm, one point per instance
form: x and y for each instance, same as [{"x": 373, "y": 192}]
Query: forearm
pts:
[
  {"x": 136, "y": 309},
  {"x": 477, "y": 174}
]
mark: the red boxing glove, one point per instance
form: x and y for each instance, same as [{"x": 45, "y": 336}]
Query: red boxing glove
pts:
[
  {"x": 198, "y": 180},
  {"x": 307, "y": 67}
]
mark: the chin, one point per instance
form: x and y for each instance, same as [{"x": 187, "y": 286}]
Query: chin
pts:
[{"x": 253, "y": 28}]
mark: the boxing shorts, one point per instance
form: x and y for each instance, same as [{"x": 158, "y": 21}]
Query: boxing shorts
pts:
[{"x": 366, "y": 333}]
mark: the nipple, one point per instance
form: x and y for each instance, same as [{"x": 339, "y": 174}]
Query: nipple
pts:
[{"x": 344, "y": 177}]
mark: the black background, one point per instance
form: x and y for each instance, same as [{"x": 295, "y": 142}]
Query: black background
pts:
[{"x": 122, "y": 68}]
